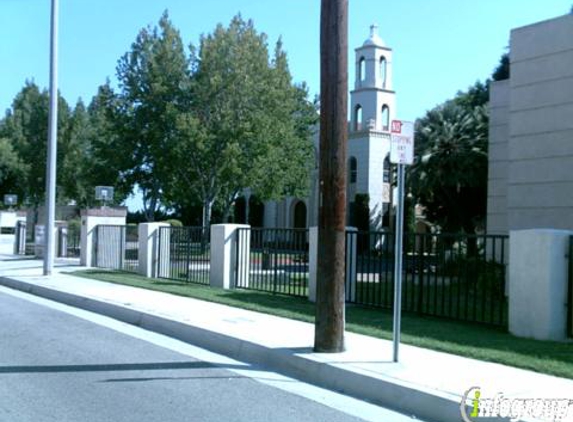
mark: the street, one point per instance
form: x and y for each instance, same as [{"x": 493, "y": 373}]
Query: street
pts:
[{"x": 55, "y": 366}]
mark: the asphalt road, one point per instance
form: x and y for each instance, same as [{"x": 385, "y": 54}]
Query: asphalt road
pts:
[{"x": 64, "y": 365}]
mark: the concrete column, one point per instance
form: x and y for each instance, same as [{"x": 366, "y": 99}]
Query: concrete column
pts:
[
  {"x": 351, "y": 252},
  {"x": 8, "y": 226},
  {"x": 40, "y": 240},
  {"x": 90, "y": 220},
  {"x": 149, "y": 252},
  {"x": 224, "y": 257},
  {"x": 538, "y": 275}
]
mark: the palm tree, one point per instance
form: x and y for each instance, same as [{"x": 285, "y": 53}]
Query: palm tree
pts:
[{"x": 449, "y": 176}]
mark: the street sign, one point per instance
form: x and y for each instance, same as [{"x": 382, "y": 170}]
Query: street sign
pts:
[
  {"x": 401, "y": 153},
  {"x": 402, "y": 142}
]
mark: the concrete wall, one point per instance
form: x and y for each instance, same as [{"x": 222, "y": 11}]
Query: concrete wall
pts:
[
  {"x": 540, "y": 131},
  {"x": 498, "y": 157},
  {"x": 538, "y": 275}
]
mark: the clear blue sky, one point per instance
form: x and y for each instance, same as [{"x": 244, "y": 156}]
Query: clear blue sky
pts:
[{"x": 440, "y": 46}]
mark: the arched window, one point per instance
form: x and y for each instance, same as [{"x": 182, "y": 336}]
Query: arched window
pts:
[
  {"x": 299, "y": 215},
  {"x": 386, "y": 170},
  {"x": 361, "y": 69},
  {"x": 383, "y": 71},
  {"x": 358, "y": 118},
  {"x": 353, "y": 170},
  {"x": 385, "y": 117}
]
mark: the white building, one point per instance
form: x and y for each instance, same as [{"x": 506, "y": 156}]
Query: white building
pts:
[
  {"x": 531, "y": 132},
  {"x": 372, "y": 108}
]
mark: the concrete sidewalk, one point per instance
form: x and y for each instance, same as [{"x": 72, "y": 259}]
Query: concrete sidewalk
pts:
[{"x": 425, "y": 383}]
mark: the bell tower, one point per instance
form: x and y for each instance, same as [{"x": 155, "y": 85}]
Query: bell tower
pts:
[
  {"x": 373, "y": 103},
  {"x": 373, "y": 107}
]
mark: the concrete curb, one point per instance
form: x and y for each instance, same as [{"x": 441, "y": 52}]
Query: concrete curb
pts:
[{"x": 407, "y": 398}]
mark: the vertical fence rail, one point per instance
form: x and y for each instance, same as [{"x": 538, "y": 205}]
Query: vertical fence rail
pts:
[
  {"x": 95, "y": 247},
  {"x": 130, "y": 242},
  {"x": 187, "y": 257},
  {"x": 570, "y": 291},
  {"x": 278, "y": 262},
  {"x": 453, "y": 276},
  {"x": 116, "y": 247}
]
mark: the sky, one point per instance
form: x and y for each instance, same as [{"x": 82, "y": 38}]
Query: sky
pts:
[{"x": 440, "y": 46}]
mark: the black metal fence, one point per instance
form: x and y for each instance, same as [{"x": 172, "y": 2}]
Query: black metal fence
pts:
[
  {"x": 73, "y": 241},
  {"x": 188, "y": 256},
  {"x": 116, "y": 247},
  {"x": 570, "y": 291},
  {"x": 462, "y": 277},
  {"x": 278, "y": 260}
]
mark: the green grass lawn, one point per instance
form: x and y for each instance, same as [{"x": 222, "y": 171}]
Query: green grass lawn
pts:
[{"x": 469, "y": 340}]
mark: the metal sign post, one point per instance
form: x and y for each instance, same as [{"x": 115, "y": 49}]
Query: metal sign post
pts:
[{"x": 401, "y": 153}]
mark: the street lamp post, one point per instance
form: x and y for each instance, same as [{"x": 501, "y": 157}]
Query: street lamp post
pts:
[{"x": 52, "y": 145}]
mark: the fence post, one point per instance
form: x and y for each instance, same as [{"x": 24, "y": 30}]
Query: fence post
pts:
[
  {"x": 92, "y": 218},
  {"x": 538, "y": 271},
  {"x": 20, "y": 245},
  {"x": 226, "y": 259},
  {"x": 312, "y": 262},
  {"x": 351, "y": 270},
  {"x": 149, "y": 252},
  {"x": 242, "y": 257}
]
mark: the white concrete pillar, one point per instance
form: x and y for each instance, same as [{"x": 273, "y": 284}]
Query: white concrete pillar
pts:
[
  {"x": 91, "y": 218},
  {"x": 538, "y": 272},
  {"x": 40, "y": 239},
  {"x": 149, "y": 252},
  {"x": 225, "y": 259},
  {"x": 7, "y": 232}
]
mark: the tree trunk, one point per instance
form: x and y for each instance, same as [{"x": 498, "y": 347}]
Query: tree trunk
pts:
[
  {"x": 330, "y": 298},
  {"x": 207, "y": 211}
]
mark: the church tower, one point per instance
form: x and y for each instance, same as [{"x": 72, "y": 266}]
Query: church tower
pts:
[
  {"x": 373, "y": 107},
  {"x": 373, "y": 101}
]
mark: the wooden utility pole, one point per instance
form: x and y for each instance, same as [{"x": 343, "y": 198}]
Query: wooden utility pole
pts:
[{"x": 330, "y": 298}]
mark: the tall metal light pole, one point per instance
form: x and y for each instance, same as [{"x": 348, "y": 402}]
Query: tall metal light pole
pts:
[{"x": 52, "y": 146}]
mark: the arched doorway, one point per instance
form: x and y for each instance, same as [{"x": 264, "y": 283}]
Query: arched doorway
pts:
[
  {"x": 240, "y": 211},
  {"x": 256, "y": 211},
  {"x": 299, "y": 215}
]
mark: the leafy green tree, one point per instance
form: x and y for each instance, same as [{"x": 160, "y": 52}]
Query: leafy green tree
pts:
[
  {"x": 106, "y": 162},
  {"x": 248, "y": 125},
  {"x": 72, "y": 155},
  {"x": 449, "y": 176},
  {"x": 502, "y": 72},
  {"x": 154, "y": 90},
  {"x": 26, "y": 126},
  {"x": 12, "y": 169}
]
